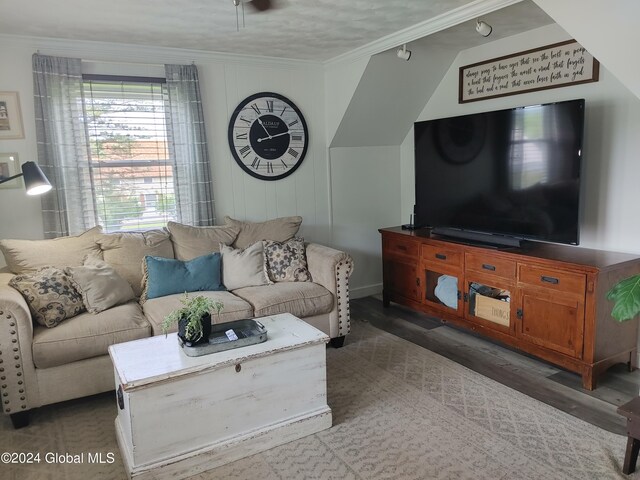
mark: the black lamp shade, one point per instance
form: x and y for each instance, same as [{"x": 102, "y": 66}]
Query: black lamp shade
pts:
[{"x": 35, "y": 181}]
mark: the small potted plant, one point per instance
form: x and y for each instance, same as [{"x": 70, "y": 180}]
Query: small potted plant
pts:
[
  {"x": 626, "y": 297},
  {"x": 194, "y": 319}
]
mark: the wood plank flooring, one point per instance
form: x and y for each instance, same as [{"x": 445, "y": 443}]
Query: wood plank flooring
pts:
[{"x": 533, "y": 377}]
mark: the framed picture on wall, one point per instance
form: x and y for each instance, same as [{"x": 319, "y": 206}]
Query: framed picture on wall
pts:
[
  {"x": 10, "y": 117},
  {"x": 10, "y": 166}
]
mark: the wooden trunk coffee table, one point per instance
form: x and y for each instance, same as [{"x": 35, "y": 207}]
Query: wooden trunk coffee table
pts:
[{"x": 180, "y": 415}]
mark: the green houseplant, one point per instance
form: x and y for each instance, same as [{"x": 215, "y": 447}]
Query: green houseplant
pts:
[
  {"x": 193, "y": 318},
  {"x": 626, "y": 297}
]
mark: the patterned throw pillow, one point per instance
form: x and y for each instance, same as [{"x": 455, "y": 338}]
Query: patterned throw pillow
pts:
[
  {"x": 50, "y": 295},
  {"x": 286, "y": 261}
]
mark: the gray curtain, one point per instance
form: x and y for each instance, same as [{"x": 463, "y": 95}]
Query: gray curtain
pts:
[
  {"x": 62, "y": 146},
  {"x": 188, "y": 147}
]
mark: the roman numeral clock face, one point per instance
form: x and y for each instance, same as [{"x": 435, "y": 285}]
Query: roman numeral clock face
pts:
[{"x": 268, "y": 136}]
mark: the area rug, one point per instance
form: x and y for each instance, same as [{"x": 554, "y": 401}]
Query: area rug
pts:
[{"x": 400, "y": 412}]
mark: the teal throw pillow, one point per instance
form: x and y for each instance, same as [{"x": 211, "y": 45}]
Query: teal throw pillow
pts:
[{"x": 166, "y": 276}]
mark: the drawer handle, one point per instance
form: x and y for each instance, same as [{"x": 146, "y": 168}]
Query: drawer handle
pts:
[
  {"x": 441, "y": 256},
  {"x": 487, "y": 266},
  {"x": 401, "y": 247},
  {"x": 553, "y": 280}
]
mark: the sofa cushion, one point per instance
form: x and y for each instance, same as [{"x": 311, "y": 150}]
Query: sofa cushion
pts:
[
  {"x": 100, "y": 285},
  {"x": 302, "y": 299},
  {"x": 279, "y": 229},
  {"x": 125, "y": 251},
  {"x": 30, "y": 255},
  {"x": 243, "y": 268},
  {"x": 156, "y": 309},
  {"x": 165, "y": 276},
  {"x": 50, "y": 294},
  {"x": 286, "y": 261},
  {"x": 88, "y": 335},
  {"x": 191, "y": 242}
]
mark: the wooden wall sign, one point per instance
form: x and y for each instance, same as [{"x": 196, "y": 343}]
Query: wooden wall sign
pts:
[{"x": 557, "y": 65}]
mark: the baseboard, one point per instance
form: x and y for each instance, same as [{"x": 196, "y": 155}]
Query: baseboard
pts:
[{"x": 365, "y": 291}]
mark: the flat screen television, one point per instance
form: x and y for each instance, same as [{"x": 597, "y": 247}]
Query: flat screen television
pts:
[{"x": 502, "y": 175}]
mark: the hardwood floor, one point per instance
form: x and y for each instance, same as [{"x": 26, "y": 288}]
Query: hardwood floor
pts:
[{"x": 531, "y": 376}]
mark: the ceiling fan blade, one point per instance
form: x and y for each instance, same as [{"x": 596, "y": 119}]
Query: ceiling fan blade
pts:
[{"x": 260, "y": 5}]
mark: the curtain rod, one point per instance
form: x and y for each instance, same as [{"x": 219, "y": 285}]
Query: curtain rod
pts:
[{"x": 124, "y": 63}]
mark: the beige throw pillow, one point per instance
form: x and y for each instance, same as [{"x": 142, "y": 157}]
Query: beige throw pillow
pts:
[
  {"x": 31, "y": 255},
  {"x": 278, "y": 229},
  {"x": 191, "y": 242},
  {"x": 125, "y": 252},
  {"x": 100, "y": 285},
  {"x": 243, "y": 268}
]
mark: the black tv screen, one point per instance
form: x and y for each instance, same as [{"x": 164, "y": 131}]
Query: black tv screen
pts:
[{"x": 513, "y": 173}]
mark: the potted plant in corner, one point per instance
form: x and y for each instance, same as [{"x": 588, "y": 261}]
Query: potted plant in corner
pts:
[
  {"x": 194, "y": 319},
  {"x": 626, "y": 297}
]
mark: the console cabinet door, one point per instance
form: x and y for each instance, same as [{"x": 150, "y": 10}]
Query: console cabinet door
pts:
[
  {"x": 552, "y": 320},
  {"x": 400, "y": 269},
  {"x": 551, "y": 308},
  {"x": 401, "y": 278}
]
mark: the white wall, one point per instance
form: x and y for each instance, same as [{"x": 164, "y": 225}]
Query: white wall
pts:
[
  {"x": 610, "y": 170},
  {"x": 365, "y": 185},
  {"x": 225, "y": 80},
  {"x": 369, "y": 124}
]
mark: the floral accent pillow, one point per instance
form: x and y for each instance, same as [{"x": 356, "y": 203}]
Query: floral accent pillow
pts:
[
  {"x": 286, "y": 261},
  {"x": 50, "y": 295}
]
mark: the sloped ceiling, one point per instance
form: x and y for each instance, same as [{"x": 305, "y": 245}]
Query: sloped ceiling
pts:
[
  {"x": 608, "y": 30},
  {"x": 392, "y": 92},
  {"x": 390, "y": 95}
]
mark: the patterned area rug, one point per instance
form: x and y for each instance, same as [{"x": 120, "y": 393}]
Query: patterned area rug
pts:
[{"x": 400, "y": 412}]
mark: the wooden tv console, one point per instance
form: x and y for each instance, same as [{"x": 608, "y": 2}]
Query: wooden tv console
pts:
[{"x": 546, "y": 300}]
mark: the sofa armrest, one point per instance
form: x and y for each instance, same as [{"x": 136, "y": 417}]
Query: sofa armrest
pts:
[
  {"x": 17, "y": 372},
  {"x": 332, "y": 268}
]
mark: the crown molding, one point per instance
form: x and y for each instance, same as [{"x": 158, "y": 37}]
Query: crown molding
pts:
[
  {"x": 143, "y": 54},
  {"x": 446, "y": 20}
]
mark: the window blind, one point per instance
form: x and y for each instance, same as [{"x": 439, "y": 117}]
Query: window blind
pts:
[{"x": 131, "y": 172}]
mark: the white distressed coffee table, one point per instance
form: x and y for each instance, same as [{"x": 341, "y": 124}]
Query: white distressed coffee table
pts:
[{"x": 180, "y": 415}]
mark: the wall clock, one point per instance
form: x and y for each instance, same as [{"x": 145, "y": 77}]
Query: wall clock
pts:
[{"x": 268, "y": 136}]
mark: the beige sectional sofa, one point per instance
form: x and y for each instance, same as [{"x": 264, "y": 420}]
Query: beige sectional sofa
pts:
[{"x": 40, "y": 365}]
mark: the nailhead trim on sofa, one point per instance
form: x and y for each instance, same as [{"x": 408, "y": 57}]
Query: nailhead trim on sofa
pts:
[
  {"x": 343, "y": 271},
  {"x": 11, "y": 373}
]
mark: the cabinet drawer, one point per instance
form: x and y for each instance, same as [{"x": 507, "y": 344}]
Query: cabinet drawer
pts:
[
  {"x": 444, "y": 255},
  {"x": 500, "y": 267},
  {"x": 553, "y": 279},
  {"x": 401, "y": 247}
]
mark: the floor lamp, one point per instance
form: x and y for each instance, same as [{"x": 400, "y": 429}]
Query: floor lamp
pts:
[{"x": 35, "y": 182}]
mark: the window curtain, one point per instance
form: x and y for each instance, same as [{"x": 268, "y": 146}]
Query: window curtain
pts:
[
  {"x": 188, "y": 146},
  {"x": 62, "y": 146}
]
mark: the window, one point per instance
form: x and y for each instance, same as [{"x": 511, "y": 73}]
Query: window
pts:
[
  {"x": 131, "y": 172},
  {"x": 99, "y": 137}
]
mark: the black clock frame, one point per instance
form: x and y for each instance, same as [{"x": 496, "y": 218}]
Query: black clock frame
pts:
[{"x": 230, "y": 135}]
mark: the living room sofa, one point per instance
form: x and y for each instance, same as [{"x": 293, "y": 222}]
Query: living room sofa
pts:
[{"x": 40, "y": 365}]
